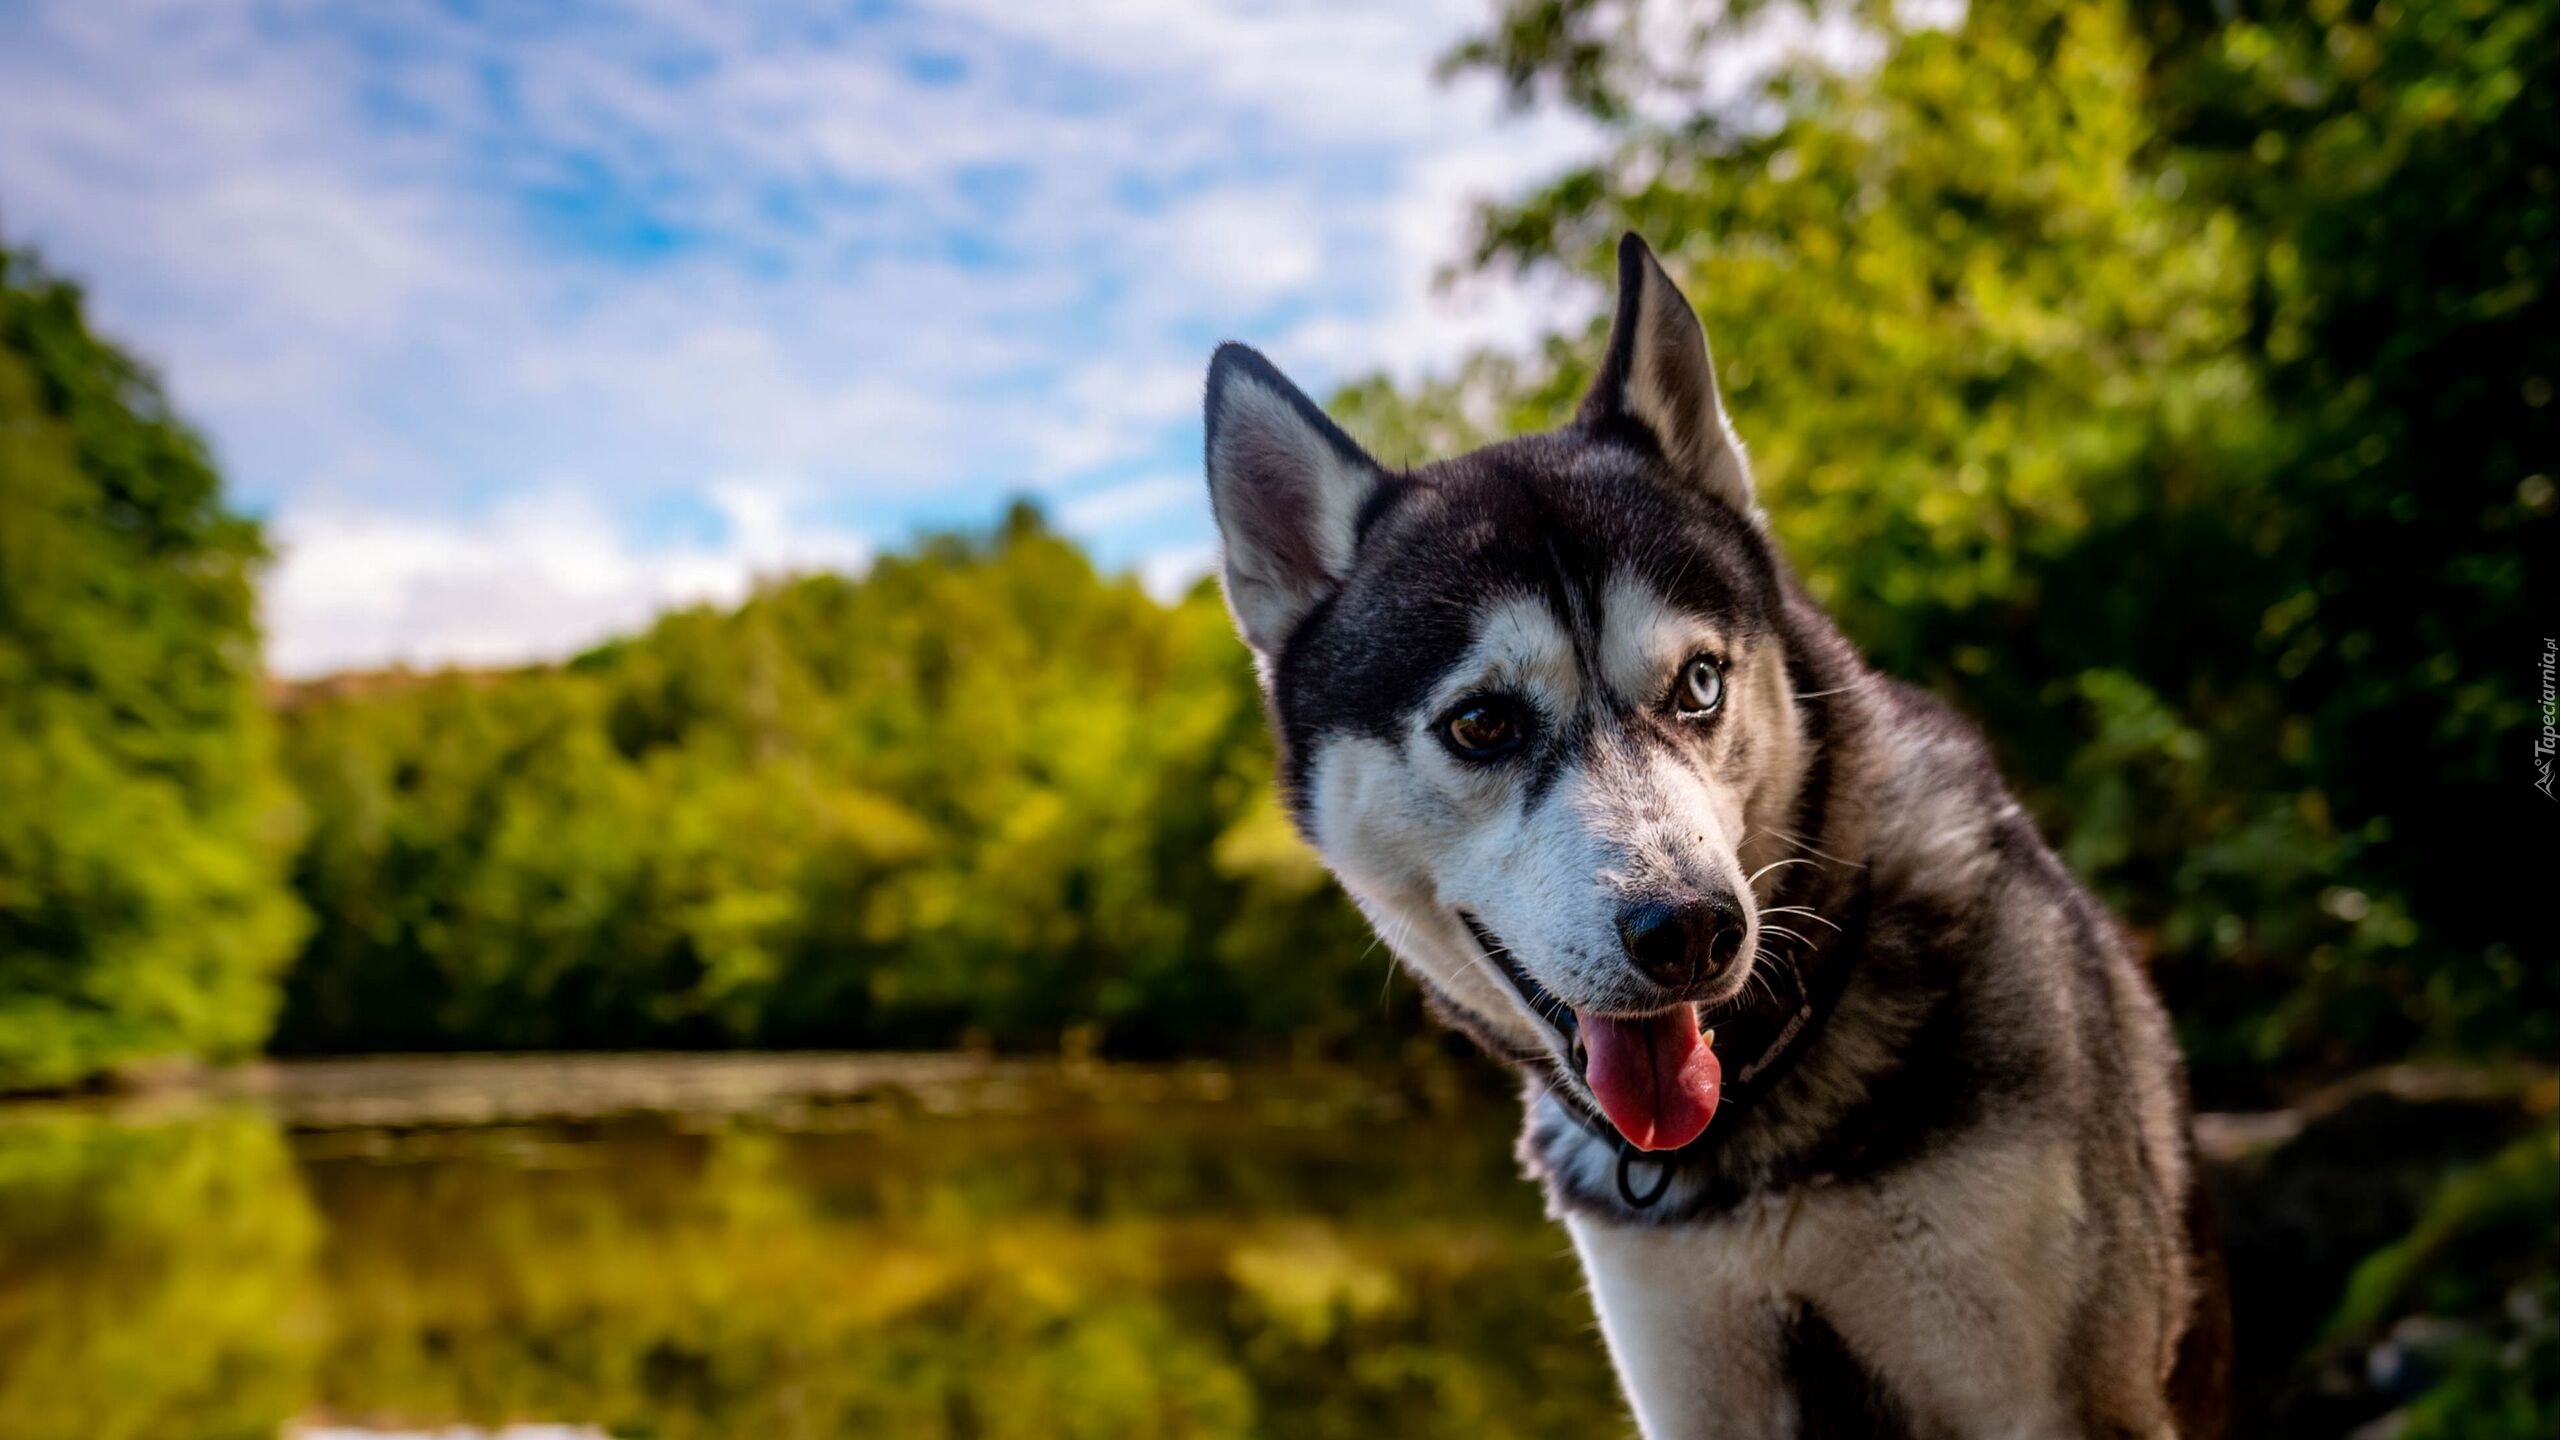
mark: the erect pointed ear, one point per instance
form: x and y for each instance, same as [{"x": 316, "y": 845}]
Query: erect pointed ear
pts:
[
  {"x": 1288, "y": 487},
  {"x": 1657, "y": 373}
]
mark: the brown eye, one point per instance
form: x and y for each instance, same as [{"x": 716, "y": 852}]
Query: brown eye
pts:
[
  {"x": 1482, "y": 729},
  {"x": 1701, "y": 687}
]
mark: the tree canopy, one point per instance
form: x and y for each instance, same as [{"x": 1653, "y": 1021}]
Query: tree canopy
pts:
[
  {"x": 981, "y": 794},
  {"x": 2170, "y": 387},
  {"x": 144, "y": 831}
]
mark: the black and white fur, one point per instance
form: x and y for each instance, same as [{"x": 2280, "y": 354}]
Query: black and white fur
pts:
[{"x": 1963, "y": 1203}]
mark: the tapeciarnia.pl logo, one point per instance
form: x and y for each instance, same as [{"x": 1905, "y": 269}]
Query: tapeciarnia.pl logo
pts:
[{"x": 2549, "y": 740}]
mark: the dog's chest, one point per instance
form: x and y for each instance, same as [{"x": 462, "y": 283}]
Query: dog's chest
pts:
[
  {"x": 1942, "y": 1294},
  {"x": 1765, "y": 1250},
  {"x": 1700, "y": 1317}
]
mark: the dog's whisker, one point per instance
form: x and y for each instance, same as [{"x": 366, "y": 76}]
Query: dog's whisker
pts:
[
  {"x": 1387, "y": 982},
  {"x": 1491, "y": 971},
  {"x": 1798, "y": 841},
  {"x": 1806, "y": 911},
  {"x": 1761, "y": 979},
  {"x": 1754, "y": 877},
  {"x": 1807, "y": 847},
  {"x": 1477, "y": 956},
  {"x": 1377, "y": 937}
]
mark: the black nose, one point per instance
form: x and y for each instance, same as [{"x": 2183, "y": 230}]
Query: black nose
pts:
[{"x": 1681, "y": 944}]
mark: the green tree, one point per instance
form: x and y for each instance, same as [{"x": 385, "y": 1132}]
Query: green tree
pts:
[
  {"x": 980, "y": 793},
  {"x": 2170, "y": 386},
  {"x": 143, "y": 830}
]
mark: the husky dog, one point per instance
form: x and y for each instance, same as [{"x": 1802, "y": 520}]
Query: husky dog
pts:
[{"x": 1861, "y": 1113}]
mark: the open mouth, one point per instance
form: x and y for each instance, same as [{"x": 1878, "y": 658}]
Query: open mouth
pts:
[{"x": 1654, "y": 1076}]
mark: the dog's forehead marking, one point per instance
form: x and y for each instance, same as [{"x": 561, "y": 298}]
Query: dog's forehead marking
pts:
[
  {"x": 1644, "y": 637},
  {"x": 1629, "y": 643},
  {"x": 1520, "y": 646}
]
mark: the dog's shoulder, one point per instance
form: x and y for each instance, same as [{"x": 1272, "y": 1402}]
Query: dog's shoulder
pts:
[{"x": 1945, "y": 827}]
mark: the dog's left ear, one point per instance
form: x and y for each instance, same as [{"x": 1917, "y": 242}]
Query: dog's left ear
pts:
[
  {"x": 1288, "y": 487},
  {"x": 1657, "y": 373}
]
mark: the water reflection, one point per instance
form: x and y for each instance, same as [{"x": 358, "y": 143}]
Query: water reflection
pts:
[
  {"x": 983, "y": 1252},
  {"x": 156, "y": 1277}
]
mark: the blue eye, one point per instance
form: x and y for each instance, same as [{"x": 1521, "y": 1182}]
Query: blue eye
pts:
[
  {"x": 1701, "y": 687},
  {"x": 1483, "y": 728}
]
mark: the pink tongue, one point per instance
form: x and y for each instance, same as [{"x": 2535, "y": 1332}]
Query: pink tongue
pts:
[{"x": 1655, "y": 1078}]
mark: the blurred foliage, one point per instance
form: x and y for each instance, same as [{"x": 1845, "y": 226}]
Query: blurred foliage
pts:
[
  {"x": 2500, "y": 1205},
  {"x": 2167, "y": 384},
  {"x": 2469, "y": 1299},
  {"x": 2393, "y": 1256},
  {"x": 1151, "y": 1265},
  {"x": 153, "y": 1277},
  {"x": 981, "y": 794},
  {"x": 143, "y": 830}
]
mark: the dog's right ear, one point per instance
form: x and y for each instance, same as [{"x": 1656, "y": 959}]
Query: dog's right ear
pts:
[
  {"x": 1657, "y": 374},
  {"x": 1288, "y": 487}
]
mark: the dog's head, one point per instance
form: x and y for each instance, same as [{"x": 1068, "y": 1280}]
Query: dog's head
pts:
[{"x": 1533, "y": 703}]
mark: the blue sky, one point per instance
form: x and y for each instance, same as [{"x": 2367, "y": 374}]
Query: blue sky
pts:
[{"x": 522, "y": 321}]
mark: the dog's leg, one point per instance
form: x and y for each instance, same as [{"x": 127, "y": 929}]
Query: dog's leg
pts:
[{"x": 1700, "y": 1349}]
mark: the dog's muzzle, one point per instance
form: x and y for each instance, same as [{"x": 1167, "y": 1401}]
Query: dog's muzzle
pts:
[{"x": 1541, "y": 1002}]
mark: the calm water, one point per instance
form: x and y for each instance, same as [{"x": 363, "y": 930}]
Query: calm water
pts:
[{"x": 785, "y": 1248}]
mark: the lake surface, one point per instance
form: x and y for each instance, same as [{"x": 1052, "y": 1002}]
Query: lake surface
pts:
[{"x": 785, "y": 1247}]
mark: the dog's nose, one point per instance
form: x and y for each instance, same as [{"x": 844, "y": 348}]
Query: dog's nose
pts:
[{"x": 1683, "y": 943}]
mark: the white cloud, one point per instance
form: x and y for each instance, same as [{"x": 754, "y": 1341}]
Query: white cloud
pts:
[
  {"x": 1170, "y": 572},
  {"x": 408, "y": 267},
  {"x": 541, "y": 574},
  {"x": 1119, "y": 506}
]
